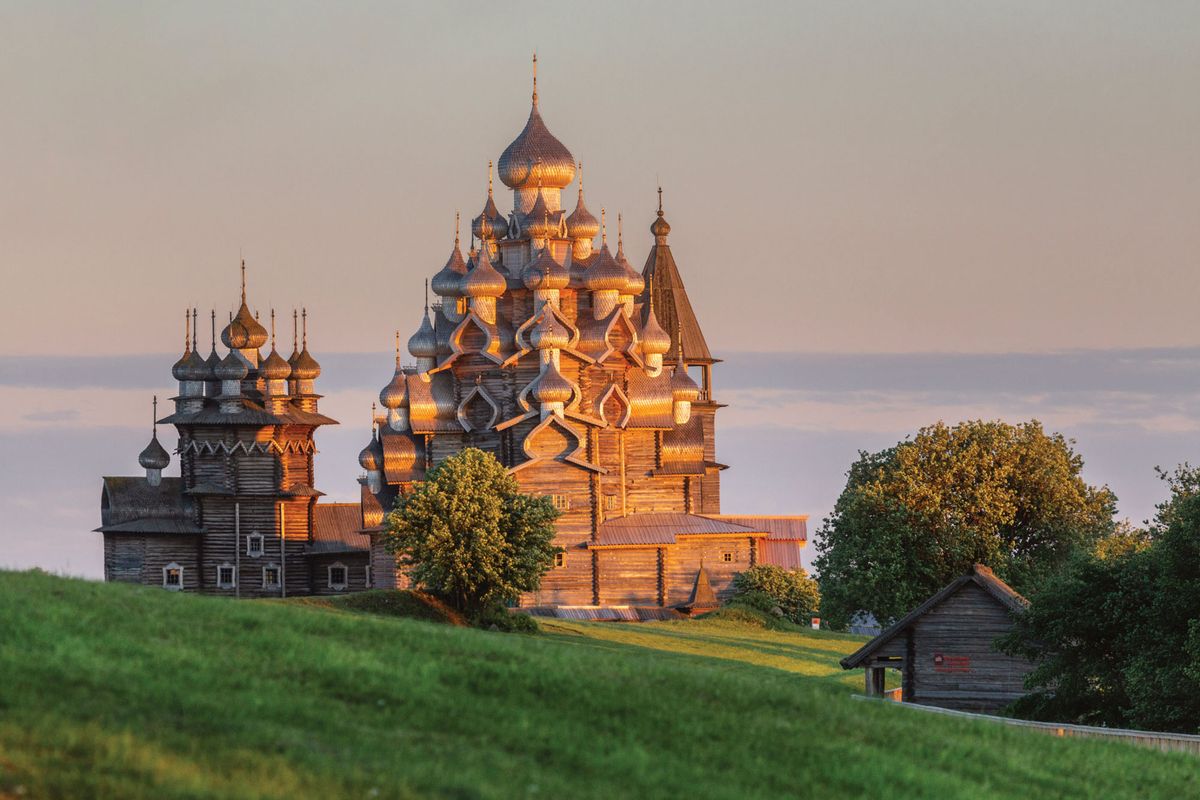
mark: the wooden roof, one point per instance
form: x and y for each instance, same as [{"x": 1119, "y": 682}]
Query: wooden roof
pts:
[
  {"x": 132, "y": 505},
  {"x": 657, "y": 528},
  {"x": 980, "y": 575},
  {"x": 673, "y": 308},
  {"x": 337, "y": 528},
  {"x": 783, "y": 529}
]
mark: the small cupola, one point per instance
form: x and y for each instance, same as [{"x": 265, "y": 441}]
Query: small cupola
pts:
[{"x": 154, "y": 458}]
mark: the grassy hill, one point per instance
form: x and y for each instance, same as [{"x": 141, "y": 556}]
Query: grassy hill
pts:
[{"x": 118, "y": 691}]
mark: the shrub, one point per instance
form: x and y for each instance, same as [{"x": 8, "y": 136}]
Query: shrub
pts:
[
  {"x": 497, "y": 617},
  {"x": 792, "y": 591}
]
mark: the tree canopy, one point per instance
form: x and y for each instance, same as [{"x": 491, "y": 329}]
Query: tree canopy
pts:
[
  {"x": 468, "y": 534},
  {"x": 768, "y": 586},
  {"x": 1116, "y": 635},
  {"x": 917, "y": 515}
]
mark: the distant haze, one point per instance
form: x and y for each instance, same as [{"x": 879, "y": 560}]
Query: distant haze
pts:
[{"x": 885, "y": 214}]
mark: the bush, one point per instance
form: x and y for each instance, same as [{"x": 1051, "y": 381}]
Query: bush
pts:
[
  {"x": 759, "y": 601},
  {"x": 792, "y": 591},
  {"x": 499, "y": 618}
]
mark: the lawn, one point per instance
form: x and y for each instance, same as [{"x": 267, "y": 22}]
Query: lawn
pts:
[{"x": 119, "y": 691}]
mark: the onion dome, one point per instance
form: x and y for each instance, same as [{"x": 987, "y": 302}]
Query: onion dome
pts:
[
  {"x": 539, "y": 222},
  {"x": 535, "y": 155},
  {"x": 154, "y": 456},
  {"x": 549, "y": 333},
  {"x": 210, "y": 365},
  {"x": 552, "y": 387},
  {"x": 243, "y": 331},
  {"x": 395, "y": 394},
  {"x": 581, "y": 224},
  {"x": 634, "y": 282},
  {"x": 659, "y": 227},
  {"x": 484, "y": 280},
  {"x": 490, "y": 224},
  {"x": 654, "y": 339},
  {"x": 231, "y": 368},
  {"x": 683, "y": 388},
  {"x": 180, "y": 367},
  {"x": 370, "y": 457},
  {"x": 545, "y": 273},
  {"x": 448, "y": 280},
  {"x": 304, "y": 366},
  {"x": 274, "y": 368},
  {"x": 423, "y": 343},
  {"x": 605, "y": 273}
]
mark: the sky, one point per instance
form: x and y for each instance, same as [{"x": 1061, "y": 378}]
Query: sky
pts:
[{"x": 886, "y": 214}]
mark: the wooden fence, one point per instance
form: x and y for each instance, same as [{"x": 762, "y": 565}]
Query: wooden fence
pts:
[{"x": 1168, "y": 742}]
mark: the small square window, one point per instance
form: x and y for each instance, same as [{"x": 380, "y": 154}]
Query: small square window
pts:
[
  {"x": 560, "y": 559},
  {"x": 561, "y": 501},
  {"x": 727, "y": 557},
  {"x": 173, "y": 577},
  {"x": 270, "y": 577},
  {"x": 254, "y": 545},
  {"x": 611, "y": 502},
  {"x": 337, "y": 577},
  {"x": 225, "y": 576}
]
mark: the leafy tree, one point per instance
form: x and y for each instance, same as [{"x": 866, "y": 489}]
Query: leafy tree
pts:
[
  {"x": 791, "y": 590},
  {"x": 917, "y": 515},
  {"x": 469, "y": 535},
  {"x": 1116, "y": 636}
]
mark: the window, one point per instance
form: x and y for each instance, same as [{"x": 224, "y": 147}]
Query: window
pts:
[
  {"x": 225, "y": 576},
  {"x": 560, "y": 559},
  {"x": 254, "y": 544},
  {"x": 369, "y": 586},
  {"x": 173, "y": 577},
  {"x": 270, "y": 577},
  {"x": 337, "y": 577},
  {"x": 561, "y": 501},
  {"x": 727, "y": 557},
  {"x": 612, "y": 502}
]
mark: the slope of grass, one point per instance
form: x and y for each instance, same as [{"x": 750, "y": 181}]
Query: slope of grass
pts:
[{"x": 117, "y": 691}]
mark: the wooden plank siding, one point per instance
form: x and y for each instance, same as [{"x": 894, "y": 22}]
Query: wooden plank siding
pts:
[
  {"x": 356, "y": 572},
  {"x": 140, "y": 558}
]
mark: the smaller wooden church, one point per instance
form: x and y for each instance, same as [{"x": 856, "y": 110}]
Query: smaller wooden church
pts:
[{"x": 945, "y": 648}]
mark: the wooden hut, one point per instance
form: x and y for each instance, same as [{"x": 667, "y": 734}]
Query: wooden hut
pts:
[{"x": 945, "y": 648}]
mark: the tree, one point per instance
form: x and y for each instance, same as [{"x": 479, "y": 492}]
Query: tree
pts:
[
  {"x": 917, "y": 515},
  {"x": 468, "y": 534},
  {"x": 791, "y": 590},
  {"x": 1115, "y": 636}
]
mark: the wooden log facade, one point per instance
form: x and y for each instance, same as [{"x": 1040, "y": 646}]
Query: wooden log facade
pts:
[
  {"x": 590, "y": 380},
  {"x": 945, "y": 648}
]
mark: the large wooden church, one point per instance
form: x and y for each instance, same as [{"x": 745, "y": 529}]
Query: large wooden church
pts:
[{"x": 589, "y": 380}]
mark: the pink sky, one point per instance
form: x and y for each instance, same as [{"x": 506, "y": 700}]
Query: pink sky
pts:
[{"x": 850, "y": 177}]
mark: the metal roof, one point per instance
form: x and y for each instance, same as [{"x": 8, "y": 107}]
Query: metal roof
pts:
[
  {"x": 777, "y": 528},
  {"x": 656, "y": 528}
]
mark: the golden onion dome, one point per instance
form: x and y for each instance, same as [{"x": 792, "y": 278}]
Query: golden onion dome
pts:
[
  {"x": 154, "y": 456},
  {"x": 545, "y": 273},
  {"x": 395, "y": 394},
  {"x": 231, "y": 368},
  {"x": 423, "y": 343},
  {"x": 659, "y": 227},
  {"x": 535, "y": 155},
  {"x": 490, "y": 224},
  {"x": 552, "y": 387},
  {"x": 483, "y": 280},
  {"x": 549, "y": 333},
  {"x": 581, "y": 224},
  {"x": 370, "y": 457},
  {"x": 604, "y": 273},
  {"x": 275, "y": 368},
  {"x": 539, "y": 222},
  {"x": 305, "y": 367},
  {"x": 683, "y": 388},
  {"x": 655, "y": 340},
  {"x": 447, "y": 281},
  {"x": 243, "y": 331}
]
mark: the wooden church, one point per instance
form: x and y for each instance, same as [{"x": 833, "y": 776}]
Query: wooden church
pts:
[{"x": 589, "y": 380}]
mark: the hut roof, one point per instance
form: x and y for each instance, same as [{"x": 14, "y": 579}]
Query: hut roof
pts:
[
  {"x": 662, "y": 527},
  {"x": 980, "y": 575},
  {"x": 702, "y": 592},
  {"x": 132, "y": 505},
  {"x": 337, "y": 528},
  {"x": 778, "y": 529}
]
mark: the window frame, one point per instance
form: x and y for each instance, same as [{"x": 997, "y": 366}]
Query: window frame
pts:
[
  {"x": 258, "y": 539},
  {"x": 562, "y": 502},
  {"x": 560, "y": 559},
  {"x": 230, "y": 584},
  {"x": 278, "y": 583},
  {"x": 344, "y": 584},
  {"x": 727, "y": 556},
  {"x": 176, "y": 566}
]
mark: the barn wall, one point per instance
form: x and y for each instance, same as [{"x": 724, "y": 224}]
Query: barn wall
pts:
[
  {"x": 964, "y": 626},
  {"x": 134, "y": 558},
  {"x": 356, "y": 572}
]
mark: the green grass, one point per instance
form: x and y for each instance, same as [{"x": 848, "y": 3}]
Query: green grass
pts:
[{"x": 118, "y": 691}]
